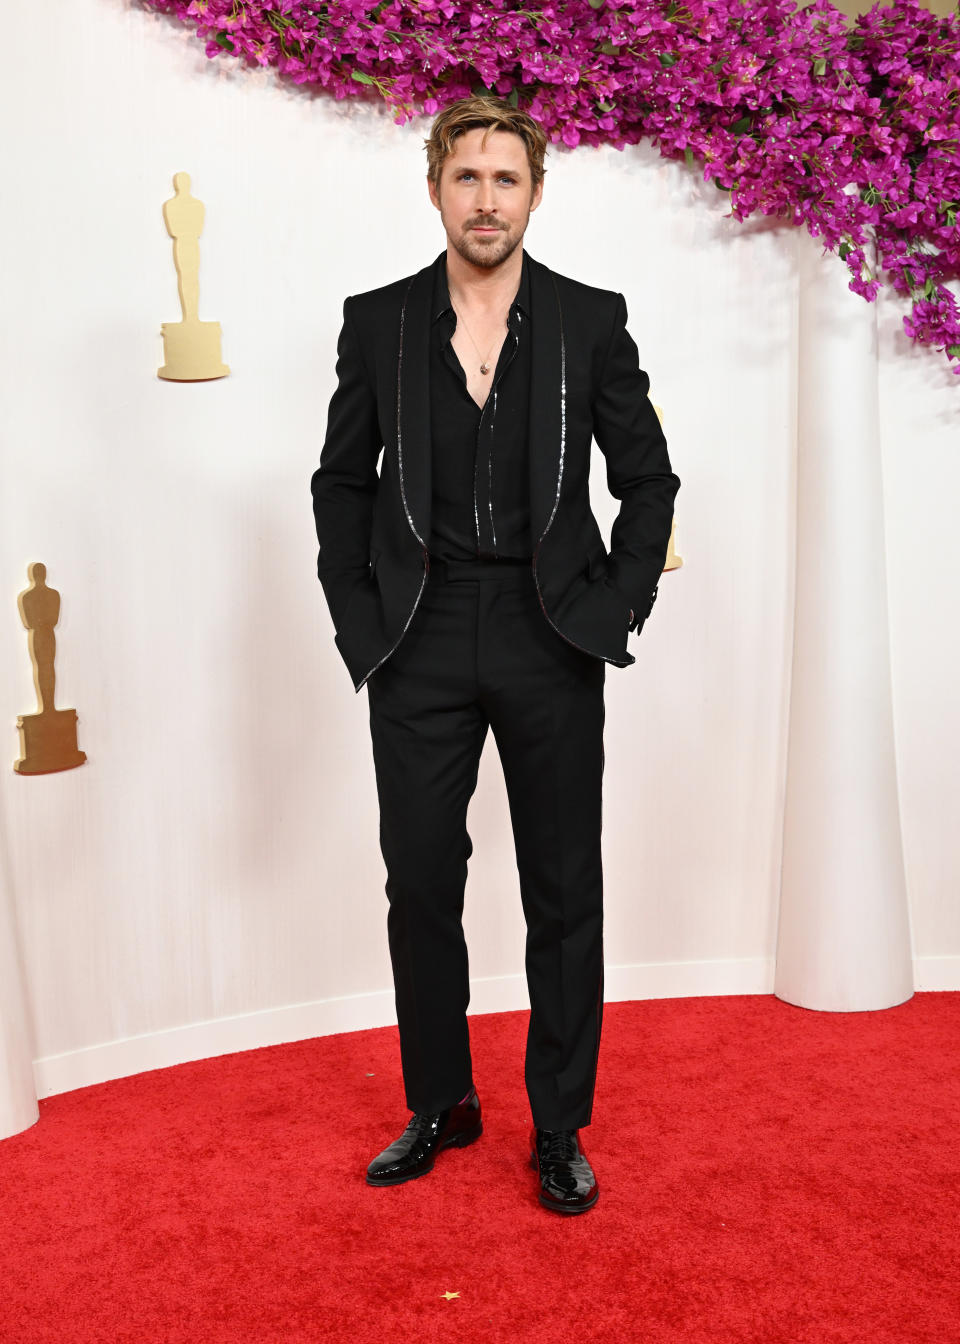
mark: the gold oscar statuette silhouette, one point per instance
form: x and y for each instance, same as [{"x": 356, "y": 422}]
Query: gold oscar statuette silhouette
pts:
[
  {"x": 673, "y": 561},
  {"x": 48, "y": 739},
  {"x": 191, "y": 348}
]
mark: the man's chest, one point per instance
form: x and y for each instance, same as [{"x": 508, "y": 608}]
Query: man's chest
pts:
[{"x": 478, "y": 362}]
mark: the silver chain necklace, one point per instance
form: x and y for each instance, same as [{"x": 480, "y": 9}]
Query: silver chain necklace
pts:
[{"x": 484, "y": 366}]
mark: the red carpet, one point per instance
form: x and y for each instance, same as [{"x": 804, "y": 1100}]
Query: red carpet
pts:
[{"x": 767, "y": 1174}]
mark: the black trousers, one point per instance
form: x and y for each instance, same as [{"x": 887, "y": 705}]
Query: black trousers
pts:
[{"x": 480, "y": 653}]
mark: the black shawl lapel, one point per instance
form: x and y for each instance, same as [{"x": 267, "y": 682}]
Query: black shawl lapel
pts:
[
  {"x": 547, "y": 399},
  {"x": 547, "y": 422},
  {"x": 413, "y": 401}
]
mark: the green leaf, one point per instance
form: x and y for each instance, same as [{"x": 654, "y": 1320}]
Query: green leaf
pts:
[
  {"x": 667, "y": 59},
  {"x": 820, "y": 67},
  {"x": 609, "y": 49},
  {"x": 360, "y": 77},
  {"x": 223, "y": 40}
]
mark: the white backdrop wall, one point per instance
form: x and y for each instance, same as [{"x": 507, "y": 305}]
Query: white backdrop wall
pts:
[{"x": 211, "y": 879}]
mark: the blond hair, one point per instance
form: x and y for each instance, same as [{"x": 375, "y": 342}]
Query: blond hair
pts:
[{"x": 496, "y": 114}]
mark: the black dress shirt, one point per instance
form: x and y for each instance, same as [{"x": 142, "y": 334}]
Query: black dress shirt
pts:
[{"x": 481, "y": 489}]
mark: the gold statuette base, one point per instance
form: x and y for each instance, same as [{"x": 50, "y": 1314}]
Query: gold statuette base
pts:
[
  {"x": 191, "y": 351},
  {"x": 48, "y": 742}
]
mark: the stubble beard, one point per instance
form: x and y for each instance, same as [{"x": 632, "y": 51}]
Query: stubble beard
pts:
[{"x": 490, "y": 253}]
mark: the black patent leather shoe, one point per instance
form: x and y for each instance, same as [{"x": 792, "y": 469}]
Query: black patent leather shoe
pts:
[
  {"x": 567, "y": 1182},
  {"x": 414, "y": 1153}
]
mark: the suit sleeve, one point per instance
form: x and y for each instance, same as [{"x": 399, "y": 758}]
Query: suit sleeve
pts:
[
  {"x": 345, "y": 483},
  {"x": 627, "y": 430}
]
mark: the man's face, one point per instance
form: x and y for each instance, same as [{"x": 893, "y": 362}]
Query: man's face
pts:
[{"x": 484, "y": 198}]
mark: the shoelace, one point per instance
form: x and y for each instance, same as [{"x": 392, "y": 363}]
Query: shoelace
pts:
[
  {"x": 422, "y": 1124},
  {"x": 558, "y": 1145}
]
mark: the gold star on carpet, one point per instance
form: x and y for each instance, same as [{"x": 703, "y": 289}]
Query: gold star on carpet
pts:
[{"x": 448, "y": 1296}]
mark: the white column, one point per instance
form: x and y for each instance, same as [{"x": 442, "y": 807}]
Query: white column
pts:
[
  {"x": 18, "y": 1096},
  {"x": 844, "y": 934}
]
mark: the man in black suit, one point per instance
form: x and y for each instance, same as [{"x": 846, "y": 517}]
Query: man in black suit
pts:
[{"x": 470, "y": 587}]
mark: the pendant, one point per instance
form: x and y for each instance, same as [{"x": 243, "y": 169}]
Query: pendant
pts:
[{"x": 484, "y": 368}]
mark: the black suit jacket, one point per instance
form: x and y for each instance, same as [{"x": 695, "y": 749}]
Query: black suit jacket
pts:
[{"x": 585, "y": 383}]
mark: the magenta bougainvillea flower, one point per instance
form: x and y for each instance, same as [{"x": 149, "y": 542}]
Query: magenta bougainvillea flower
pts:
[{"x": 850, "y": 130}]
